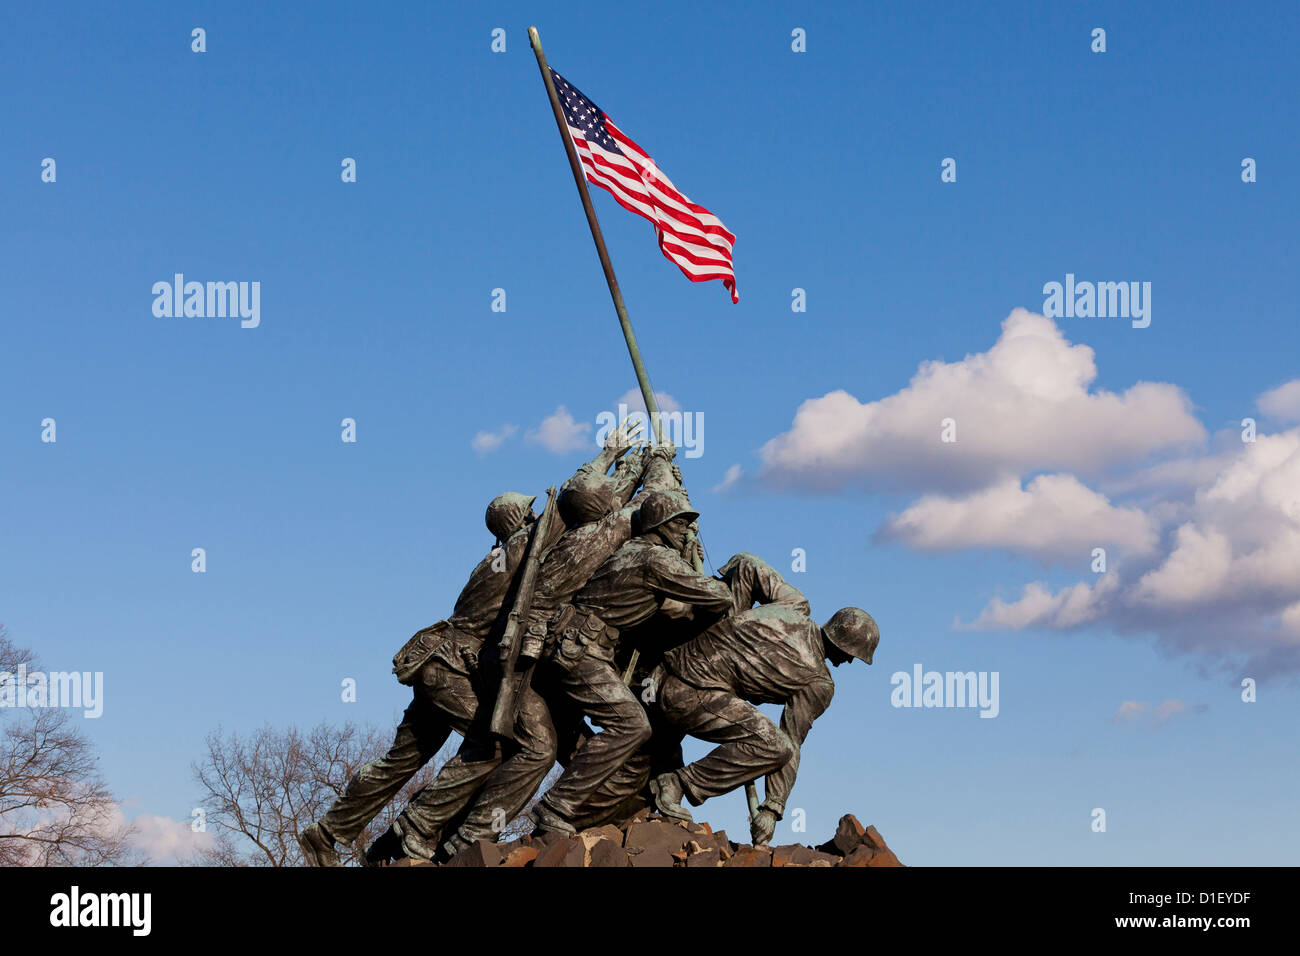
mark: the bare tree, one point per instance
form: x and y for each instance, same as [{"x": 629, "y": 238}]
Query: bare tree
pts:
[
  {"x": 54, "y": 807},
  {"x": 261, "y": 790}
]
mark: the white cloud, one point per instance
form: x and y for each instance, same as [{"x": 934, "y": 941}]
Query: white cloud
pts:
[
  {"x": 1069, "y": 607},
  {"x": 1129, "y": 711},
  {"x": 1282, "y": 403},
  {"x": 636, "y": 403},
  {"x": 729, "y": 479},
  {"x": 1224, "y": 581},
  {"x": 1022, "y": 406},
  {"x": 485, "y": 442},
  {"x": 1053, "y": 518},
  {"x": 1139, "y": 711},
  {"x": 165, "y": 840},
  {"x": 560, "y": 433},
  {"x": 1202, "y": 537}
]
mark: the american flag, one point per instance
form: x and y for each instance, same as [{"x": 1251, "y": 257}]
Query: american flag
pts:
[{"x": 688, "y": 234}]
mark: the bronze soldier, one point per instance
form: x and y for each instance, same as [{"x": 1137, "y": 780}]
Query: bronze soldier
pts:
[
  {"x": 774, "y": 653},
  {"x": 626, "y": 590},
  {"x": 441, "y": 664},
  {"x": 499, "y": 780}
]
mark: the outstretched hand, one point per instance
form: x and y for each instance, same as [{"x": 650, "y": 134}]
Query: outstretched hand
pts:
[{"x": 624, "y": 438}]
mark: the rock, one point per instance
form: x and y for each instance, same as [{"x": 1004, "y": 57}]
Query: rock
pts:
[
  {"x": 859, "y": 857},
  {"x": 607, "y": 853},
  {"x": 655, "y": 834},
  {"x": 871, "y": 852},
  {"x": 749, "y": 856},
  {"x": 655, "y": 856},
  {"x": 593, "y": 836},
  {"x": 793, "y": 855},
  {"x": 848, "y": 836},
  {"x": 521, "y": 856},
  {"x": 565, "y": 853},
  {"x": 639, "y": 817},
  {"x": 650, "y": 839},
  {"x": 479, "y": 854}
]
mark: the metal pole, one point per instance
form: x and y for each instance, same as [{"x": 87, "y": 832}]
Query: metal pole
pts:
[{"x": 581, "y": 180}]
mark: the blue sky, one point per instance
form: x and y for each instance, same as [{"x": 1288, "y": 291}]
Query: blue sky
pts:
[{"x": 322, "y": 557}]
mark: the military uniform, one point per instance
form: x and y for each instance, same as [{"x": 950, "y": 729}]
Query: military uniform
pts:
[
  {"x": 772, "y": 653},
  {"x": 494, "y": 781},
  {"x": 625, "y": 591},
  {"x": 446, "y": 688}
]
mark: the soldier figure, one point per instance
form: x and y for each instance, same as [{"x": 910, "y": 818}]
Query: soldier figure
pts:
[
  {"x": 774, "y": 653},
  {"x": 627, "y": 589},
  {"x": 499, "y": 782},
  {"x": 441, "y": 664}
]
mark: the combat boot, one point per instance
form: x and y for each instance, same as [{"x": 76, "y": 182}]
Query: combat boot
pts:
[
  {"x": 318, "y": 847},
  {"x": 414, "y": 844},
  {"x": 545, "y": 820},
  {"x": 668, "y": 793}
]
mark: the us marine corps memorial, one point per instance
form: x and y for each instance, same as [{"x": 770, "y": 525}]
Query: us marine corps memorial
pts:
[{"x": 596, "y": 612}]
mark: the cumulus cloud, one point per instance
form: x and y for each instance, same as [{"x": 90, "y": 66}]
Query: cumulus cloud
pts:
[
  {"x": 1202, "y": 533},
  {"x": 560, "y": 433},
  {"x": 1053, "y": 518},
  {"x": 1282, "y": 403},
  {"x": 1224, "y": 580},
  {"x": 1025, "y": 405},
  {"x": 1038, "y": 606},
  {"x": 485, "y": 442}
]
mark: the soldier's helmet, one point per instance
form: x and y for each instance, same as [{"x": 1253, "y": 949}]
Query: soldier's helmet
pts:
[
  {"x": 854, "y": 632},
  {"x": 586, "y": 497},
  {"x": 506, "y": 513},
  {"x": 662, "y": 506}
]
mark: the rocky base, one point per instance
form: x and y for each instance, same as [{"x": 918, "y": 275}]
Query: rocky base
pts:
[{"x": 649, "y": 839}]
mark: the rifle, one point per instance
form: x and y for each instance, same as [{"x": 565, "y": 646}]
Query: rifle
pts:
[{"x": 514, "y": 680}]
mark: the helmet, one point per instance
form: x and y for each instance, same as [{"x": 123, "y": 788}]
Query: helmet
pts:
[
  {"x": 586, "y": 497},
  {"x": 663, "y": 506},
  {"x": 506, "y": 513},
  {"x": 854, "y": 632}
]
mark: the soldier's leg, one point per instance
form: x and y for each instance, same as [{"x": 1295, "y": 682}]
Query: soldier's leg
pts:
[
  {"x": 511, "y": 783},
  {"x": 750, "y": 745},
  {"x": 596, "y": 689},
  {"x": 627, "y": 791},
  {"x": 419, "y": 736},
  {"x": 493, "y": 781},
  {"x": 453, "y": 698}
]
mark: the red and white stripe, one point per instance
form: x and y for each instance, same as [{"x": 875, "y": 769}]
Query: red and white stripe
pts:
[{"x": 689, "y": 235}]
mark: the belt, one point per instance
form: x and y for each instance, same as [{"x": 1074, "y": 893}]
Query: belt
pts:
[{"x": 575, "y": 629}]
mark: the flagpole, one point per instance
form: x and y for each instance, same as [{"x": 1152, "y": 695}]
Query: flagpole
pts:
[
  {"x": 578, "y": 177},
  {"x": 647, "y": 394}
]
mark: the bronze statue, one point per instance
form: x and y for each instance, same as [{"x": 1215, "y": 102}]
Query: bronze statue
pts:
[
  {"x": 440, "y": 663},
  {"x": 773, "y": 653}
]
